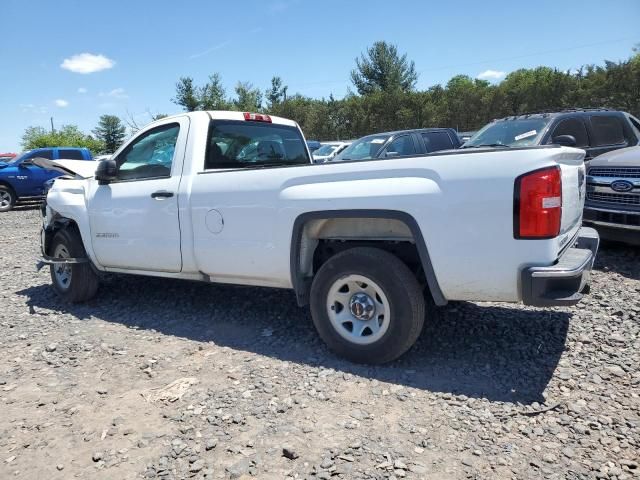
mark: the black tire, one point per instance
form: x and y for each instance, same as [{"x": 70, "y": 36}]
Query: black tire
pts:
[
  {"x": 83, "y": 282},
  {"x": 7, "y": 198},
  {"x": 404, "y": 295}
]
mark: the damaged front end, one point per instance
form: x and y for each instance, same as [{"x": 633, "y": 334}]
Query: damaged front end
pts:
[{"x": 68, "y": 201}]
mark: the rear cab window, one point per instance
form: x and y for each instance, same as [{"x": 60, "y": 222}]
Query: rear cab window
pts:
[
  {"x": 238, "y": 144},
  {"x": 607, "y": 130}
]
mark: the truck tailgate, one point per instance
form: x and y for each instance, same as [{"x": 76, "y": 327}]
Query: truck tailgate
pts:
[{"x": 571, "y": 163}]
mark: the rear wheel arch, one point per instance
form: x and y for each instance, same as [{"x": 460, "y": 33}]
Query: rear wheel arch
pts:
[{"x": 303, "y": 248}]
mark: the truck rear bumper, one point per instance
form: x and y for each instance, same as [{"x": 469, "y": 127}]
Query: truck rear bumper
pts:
[{"x": 564, "y": 282}]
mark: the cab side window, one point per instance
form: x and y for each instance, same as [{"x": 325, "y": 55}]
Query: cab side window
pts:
[
  {"x": 436, "y": 141},
  {"x": 149, "y": 156},
  {"x": 401, "y": 146},
  {"x": 574, "y": 127},
  {"x": 607, "y": 130}
]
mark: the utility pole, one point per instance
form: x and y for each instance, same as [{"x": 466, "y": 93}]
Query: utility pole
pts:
[{"x": 52, "y": 125}]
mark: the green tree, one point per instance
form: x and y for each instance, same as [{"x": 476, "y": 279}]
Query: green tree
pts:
[
  {"x": 66, "y": 136},
  {"x": 110, "y": 131},
  {"x": 186, "y": 94},
  {"x": 277, "y": 93},
  {"x": 249, "y": 99},
  {"x": 213, "y": 95},
  {"x": 382, "y": 69}
]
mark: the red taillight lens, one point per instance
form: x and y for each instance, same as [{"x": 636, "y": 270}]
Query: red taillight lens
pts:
[
  {"x": 538, "y": 204},
  {"x": 257, "y": 117}
]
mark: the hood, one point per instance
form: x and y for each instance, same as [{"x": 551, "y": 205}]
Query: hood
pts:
[
  {"x": 76, "y": 168},
  {"x": 624, "y": 157},
  {"x": 3, "y": 164}
]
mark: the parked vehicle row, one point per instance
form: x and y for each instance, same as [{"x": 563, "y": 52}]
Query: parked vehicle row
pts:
[
  {"x": 368, "y": 244},
  {"x": 596, "y": 131},
  {"x": 403, "y": 143},
  {"x": 20, "y": 178},
  {"x": 328, "y": 151}
]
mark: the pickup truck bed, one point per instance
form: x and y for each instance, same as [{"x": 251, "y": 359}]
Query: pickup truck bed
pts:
[{"x": 234, "y": 198}]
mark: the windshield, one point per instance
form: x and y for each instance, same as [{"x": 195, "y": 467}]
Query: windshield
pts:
[
  {"x": 513, "y": 133},
  {"x": 325, "y": 150},
  {"x": 16, "y": 159},
  {"x": 364, "y": 149}
]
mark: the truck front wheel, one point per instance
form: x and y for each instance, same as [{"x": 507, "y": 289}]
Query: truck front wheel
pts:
[
  {"x": 75, "y": 282},
  {"x": 367, "y": 305}
]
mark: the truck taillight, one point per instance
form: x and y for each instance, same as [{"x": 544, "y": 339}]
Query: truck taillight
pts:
[
  {"x": 257, "y": 117},
  {"x": 537, "y": 209}
]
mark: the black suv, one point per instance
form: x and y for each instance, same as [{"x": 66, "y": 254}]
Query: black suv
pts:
[
  {"x": 595, "y": 130},
  {"x": 403, "y": 143}
]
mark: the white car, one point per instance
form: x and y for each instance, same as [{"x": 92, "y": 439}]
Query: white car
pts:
[
  {"x": 369, "y": 244},
  {"x": 328, "y": 150}
]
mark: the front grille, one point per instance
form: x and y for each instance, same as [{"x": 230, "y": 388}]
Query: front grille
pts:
[
  {"x": 615, "y": 198},
  {"x": 618, "y": 172}
]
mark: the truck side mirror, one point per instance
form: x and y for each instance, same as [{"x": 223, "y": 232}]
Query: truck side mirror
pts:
[
  {"x": 565, "y": 140},
  {"x": 106, "y": 172}
]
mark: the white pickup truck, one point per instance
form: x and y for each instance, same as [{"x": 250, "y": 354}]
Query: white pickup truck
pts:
[{"x": 232, "y": 197}]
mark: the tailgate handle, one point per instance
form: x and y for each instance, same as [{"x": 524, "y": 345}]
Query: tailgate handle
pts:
[{"x": 161, "y": 194}]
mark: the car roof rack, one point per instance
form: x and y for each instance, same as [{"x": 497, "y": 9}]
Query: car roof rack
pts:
[{"x": 544, "y": 113}]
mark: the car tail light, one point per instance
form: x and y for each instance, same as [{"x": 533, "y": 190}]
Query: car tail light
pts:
[
  {"x": 537, "y": 209},
  {"x": 257, "y": 117}
]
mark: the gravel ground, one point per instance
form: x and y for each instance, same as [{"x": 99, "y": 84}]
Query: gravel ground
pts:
[{"x": 167, "y": 379}]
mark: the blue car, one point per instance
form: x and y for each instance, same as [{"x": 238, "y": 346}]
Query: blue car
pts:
[{"x": 19, "y": 178}]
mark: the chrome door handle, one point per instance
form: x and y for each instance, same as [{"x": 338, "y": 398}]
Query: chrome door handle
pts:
[{"x": 161, "y": 195}]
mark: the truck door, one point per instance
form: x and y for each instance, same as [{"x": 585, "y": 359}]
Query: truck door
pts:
[{"x": 134, "y": 219}]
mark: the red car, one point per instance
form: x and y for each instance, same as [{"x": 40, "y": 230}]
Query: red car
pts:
[{"x": 5, "y": 157}]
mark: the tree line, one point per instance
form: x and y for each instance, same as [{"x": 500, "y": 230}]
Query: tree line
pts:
[{"x": 386, "y": 98}]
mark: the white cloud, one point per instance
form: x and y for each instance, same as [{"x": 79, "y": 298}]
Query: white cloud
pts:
[
  {"x": 60, "y": 102},
  {"x": 491, "y": 75},
  {"x": 82, "y": 90},
  {"x": 87, "y": 63},
  {"x": 209, "y": 50},
  {"x": 118, "y": 93}
]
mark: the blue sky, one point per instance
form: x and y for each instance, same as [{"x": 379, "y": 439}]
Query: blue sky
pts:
[{"x": 138, "y": 49}]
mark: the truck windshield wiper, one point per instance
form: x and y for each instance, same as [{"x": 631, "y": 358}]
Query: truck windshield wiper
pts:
[{"x": 487, "y": 145}]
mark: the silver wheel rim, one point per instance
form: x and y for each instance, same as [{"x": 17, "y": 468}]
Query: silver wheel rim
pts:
[
  {"x": 62, "y": 271},
  {"x": 5, "y": 199},
  {"x": 358, "y": 309}
]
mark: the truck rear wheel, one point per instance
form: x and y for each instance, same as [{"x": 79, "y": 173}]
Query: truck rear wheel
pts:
[
  {"x": 7, "y": 198},
  {"x": 367, "y": 305},
  {"x": 75, "y": 282}
]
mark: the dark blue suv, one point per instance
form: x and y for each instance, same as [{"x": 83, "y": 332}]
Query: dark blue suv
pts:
[{"x": 19, "y": 178}]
